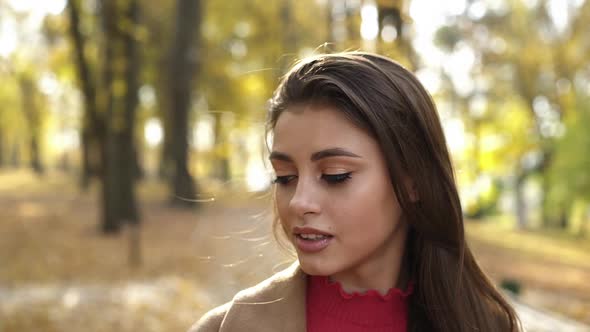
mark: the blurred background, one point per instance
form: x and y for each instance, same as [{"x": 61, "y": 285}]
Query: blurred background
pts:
[{"x": 133, "y": 178}]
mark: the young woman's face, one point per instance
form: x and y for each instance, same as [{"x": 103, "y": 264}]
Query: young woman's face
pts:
[{"x": 334, "y": 194}]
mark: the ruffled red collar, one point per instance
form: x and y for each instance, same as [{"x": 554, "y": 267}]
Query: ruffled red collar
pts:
[
  {"x": 329, "y": 304},
  {"x": 393, "y": 292}
]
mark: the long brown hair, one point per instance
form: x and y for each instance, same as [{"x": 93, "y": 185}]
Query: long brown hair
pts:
[{"x": 451, "y": 292}]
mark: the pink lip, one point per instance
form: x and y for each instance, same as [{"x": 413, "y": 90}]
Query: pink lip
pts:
[
  {"x": 311, "y": 246},
  {"x": 308, "y": 230}
]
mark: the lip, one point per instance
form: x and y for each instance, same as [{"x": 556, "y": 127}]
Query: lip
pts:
[
  {"x": 309, "y": 230},
  {"x": 311, "y": 246}
]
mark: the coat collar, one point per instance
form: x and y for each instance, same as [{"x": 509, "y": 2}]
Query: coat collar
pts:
[{"x": 276, "y": 304}]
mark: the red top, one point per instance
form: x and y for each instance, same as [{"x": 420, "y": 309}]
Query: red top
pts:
[{"x": 330, "y": 308}]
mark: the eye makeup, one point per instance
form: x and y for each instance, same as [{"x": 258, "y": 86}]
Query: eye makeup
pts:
[
  {"x": 284, "y": 179},
  {"x": 336, "y": 178},
  {"x": 328, "y": 178}
]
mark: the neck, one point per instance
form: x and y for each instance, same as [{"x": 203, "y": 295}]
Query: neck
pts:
[{"x": 378, "y": 276}]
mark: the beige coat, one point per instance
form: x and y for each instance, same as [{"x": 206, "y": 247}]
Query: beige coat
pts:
[{"x": 276, "y": 304}]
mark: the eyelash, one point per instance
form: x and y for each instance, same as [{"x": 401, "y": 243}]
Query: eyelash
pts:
[{"x": 329, "y": 178}]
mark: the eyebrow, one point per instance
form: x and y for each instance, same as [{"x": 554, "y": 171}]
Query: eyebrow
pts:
[{"x": 334, "y": 152}]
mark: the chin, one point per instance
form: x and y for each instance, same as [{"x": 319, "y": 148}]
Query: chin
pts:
[{"x": 315, "y": 267}]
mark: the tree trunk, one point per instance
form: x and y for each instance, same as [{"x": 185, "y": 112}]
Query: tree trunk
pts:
[
  {"x": 337, "y": 21},
  {"x": 583, "y": 231},
  {"x": 139, "y": 171},
  {"x": 549, "y": 218},
  {"x": 289, "y": 38},
  {"x": 221, "y": 169},
  {"x": 165, "y": 168},
  {"x": 391, "y": 12},
  {"x": 93, "y": 125},
  {"x": 85, "y": 139},
  {"x": 183, "y": 65},
  {"x": 15, "y": 159},
  {"x": 36, "y": 164},
  {"x": 128, "y": 158},
  {"x": 564, "y": 218},
  {"x": 353, "y": 28},
  {"x": 520, "y": 200},
  {"x": 120, "y": 167},
  {"x": 32, "y": 115},
  {"x": 2, "y": 157},
  {"x": 110, "y": 192},
  {"x": 112, "y": 133}
]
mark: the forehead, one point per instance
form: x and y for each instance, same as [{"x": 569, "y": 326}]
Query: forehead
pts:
[{"x": 317, "y": 127}]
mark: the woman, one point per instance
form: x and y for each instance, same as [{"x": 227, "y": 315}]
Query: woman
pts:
[{"x": 365, "y": 192}]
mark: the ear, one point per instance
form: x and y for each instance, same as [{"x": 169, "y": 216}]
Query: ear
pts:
[{"x": 412, "y": 190}]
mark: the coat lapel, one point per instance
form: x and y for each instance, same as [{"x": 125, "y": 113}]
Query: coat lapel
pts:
[{"x": 276, "y": 304}]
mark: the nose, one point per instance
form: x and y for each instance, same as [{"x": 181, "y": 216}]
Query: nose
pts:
[{"x": 305, "y": 199}]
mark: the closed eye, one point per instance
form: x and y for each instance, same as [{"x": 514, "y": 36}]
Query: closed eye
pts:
[
  {"x": 284, "y": 179},
  {"x": 336, "y": 178}
]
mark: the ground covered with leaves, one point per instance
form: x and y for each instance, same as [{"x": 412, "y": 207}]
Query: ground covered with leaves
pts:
[{"x": 59, "y": 273}]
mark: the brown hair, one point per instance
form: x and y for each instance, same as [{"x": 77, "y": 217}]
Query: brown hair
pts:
[{"x": 451, "y": 292}]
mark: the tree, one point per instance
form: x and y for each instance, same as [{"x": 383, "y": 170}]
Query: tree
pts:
[
  {"x": 110, "y": 115},
  {"x": 533, "y": 67},
  {"x": 32, "y": 114},
  {"x": 392, "y": 17},
  {"x": 570, "y": 181},
  {"x": 120, "y": 81},
  {"x": 184, "y": 63},
  {"x": 93, "y": 127}
]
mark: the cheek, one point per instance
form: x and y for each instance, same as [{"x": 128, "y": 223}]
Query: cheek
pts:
[
  {"x": 282, "y": 199},
  {"x": 368, "y": 203}
]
